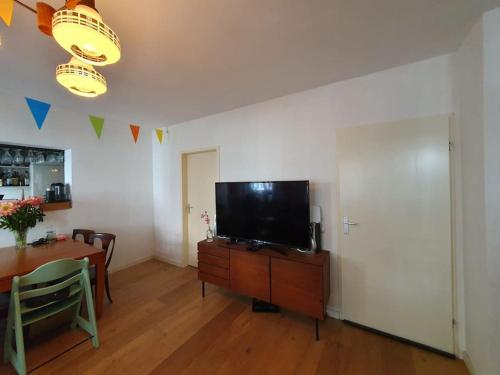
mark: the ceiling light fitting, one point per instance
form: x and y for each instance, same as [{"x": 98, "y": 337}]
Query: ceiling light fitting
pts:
[
  {"x": 82, "y": 33},
  {"x": 78, "y": 28},
  {"x": 81, "y": 79}
]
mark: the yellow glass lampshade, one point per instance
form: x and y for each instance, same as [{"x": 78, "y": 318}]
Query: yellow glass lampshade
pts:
[
  {"x": 81, "y": 79},
  {"x": 82, "y": 33}
]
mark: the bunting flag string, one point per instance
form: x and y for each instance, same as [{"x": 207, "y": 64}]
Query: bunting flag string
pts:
[
  {"x": 6, "y": 10},
  {"x": 39, "y": 111},
  {"x": 97, "y": 124},
  {"x": 135, "y": 129},
  {"x": 159, "y": 134}
]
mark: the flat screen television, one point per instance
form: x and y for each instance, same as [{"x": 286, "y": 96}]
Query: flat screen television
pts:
[{"x": 274, "y": 212}]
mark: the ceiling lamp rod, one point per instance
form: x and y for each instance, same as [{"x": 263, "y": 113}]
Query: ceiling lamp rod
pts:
[{"x": 25, "y": 6}]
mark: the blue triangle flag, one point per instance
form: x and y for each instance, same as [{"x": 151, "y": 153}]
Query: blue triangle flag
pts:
[{"x": 39, "y": 111}]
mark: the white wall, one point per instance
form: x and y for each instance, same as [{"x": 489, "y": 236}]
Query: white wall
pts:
[
  {"x": 112, "y": 177},
  {"x": 478, "y": 86},
  {"x": 293, "y": 137},
  {"x": 491, "y": 34}
]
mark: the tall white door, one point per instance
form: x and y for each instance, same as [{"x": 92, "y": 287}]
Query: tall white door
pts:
[
  {"x": 201, "y": 175},
  {"x": 395, "y": 229}
]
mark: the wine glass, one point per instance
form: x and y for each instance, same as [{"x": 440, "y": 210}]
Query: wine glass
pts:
[
  {"x": 60, "y": 157},
  {"x": 40, "y": 159},
  {"x": 51, "y": 158},
  {"x": 6, "y": 158},
  {"x": 30, "y": 157},
  {"x": 18, "y": 158}
]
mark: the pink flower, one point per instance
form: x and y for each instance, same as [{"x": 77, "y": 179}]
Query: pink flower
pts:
[
  {"x": 31, "y": 201},
  {"x": 206, "y": 217},
  {"x": 8, "y": 208}
]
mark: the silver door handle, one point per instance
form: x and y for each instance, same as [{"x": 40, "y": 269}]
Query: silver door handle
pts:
[
  {"x": 347, "y": 224},
  {"x": 188, "y": 208}
]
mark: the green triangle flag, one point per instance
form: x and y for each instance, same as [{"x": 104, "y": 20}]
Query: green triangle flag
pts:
[
  {"x": 97, "y": 124},
  {"x": 159, "y": 135}
]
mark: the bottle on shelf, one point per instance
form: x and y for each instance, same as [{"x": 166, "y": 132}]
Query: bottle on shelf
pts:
[
  {"x": 26, "y": 178},
  {"x": 15, "y": 178},
  {"x": 8, "y": 177}
]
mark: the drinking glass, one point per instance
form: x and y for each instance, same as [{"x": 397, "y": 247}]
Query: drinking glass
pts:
[
  {"x": 30, "y": 157},
  {"x": 51, "y": 158},
  {"x": 6, "y": 158},
  {"x": 18, "y": 158},
  {"x": 40, "y": 159},
  {"x": 60, "y": 157}
]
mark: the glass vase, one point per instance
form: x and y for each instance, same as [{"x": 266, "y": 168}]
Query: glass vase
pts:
[
  {"x": 21, "y": 237},
  {"x": 210, "y": 235}
]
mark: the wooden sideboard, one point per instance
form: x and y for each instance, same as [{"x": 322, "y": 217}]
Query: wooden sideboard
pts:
[{"x": 292, "y": 280}]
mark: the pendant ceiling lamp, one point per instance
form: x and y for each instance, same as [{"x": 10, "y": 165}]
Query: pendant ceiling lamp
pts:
[
  {"x": 79, "y": 29},
  {"x": 81, "y": 78},
  {"x": 82, "y": 33}
]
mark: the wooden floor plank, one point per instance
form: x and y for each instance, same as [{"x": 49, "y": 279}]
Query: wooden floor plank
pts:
[{"x": 160, "y": 324}]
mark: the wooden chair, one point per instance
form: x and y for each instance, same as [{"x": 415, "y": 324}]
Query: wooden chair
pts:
[
  {"x": 108, "y": 241},
  {"x": 85, "y": 233},
  {"x": 48, "y": 290}
]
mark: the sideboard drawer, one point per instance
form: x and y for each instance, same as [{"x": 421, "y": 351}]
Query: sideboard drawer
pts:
[
  {"x": 209, "y": 269},
  {"x": 222, "y": 252},
  {"x": 213, "y": 260}
]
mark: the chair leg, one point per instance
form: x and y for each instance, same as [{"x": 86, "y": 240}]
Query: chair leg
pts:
[
  {"x": 19, "y": 361},
  {"x": 106, "y": 283},
  {"x": 91, "y": 325},
  {"x": 9, "y": 329}
]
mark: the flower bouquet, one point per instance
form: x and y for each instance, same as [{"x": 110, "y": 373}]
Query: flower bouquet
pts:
[
  {"x": 19, "y": 216},
  {"x": 206, "y": 218}
]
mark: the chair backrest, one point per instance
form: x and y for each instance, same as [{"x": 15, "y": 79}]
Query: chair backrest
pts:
[
  {"x": 108, "y": 241},
  {"x": 43, "y": 286},
  {"x": 85, "y": 233}
]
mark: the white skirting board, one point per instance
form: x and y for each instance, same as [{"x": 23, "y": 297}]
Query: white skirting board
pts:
[
  {"x": 163, "y": 258},
  {"x": 468, "y": 362},
  {"x": 332, "y": 312},
  {"x": 141, "y": 260}
]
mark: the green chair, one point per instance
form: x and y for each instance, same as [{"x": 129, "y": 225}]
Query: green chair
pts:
[{"x": 48, "y": 290}]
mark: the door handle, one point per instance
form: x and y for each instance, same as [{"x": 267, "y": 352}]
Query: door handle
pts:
[
  {"x": 347, "y": 224},
  {"x": 188, "y": 208}
]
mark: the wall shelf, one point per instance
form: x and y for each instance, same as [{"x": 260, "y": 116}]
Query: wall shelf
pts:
[{"x": 56, "y": 206}]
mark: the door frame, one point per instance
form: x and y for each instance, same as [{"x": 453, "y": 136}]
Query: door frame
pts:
[
  {"x": 456, "y": 214},
  {"x": 183, "y": 160}
]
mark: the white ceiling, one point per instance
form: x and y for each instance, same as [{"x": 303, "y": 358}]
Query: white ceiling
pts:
[{"x": 184, "y": 59}]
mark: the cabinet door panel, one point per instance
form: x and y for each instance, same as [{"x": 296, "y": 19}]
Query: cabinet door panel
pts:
[
  {"x": 249, "y": 274},
  {"x": 297, "y": 286}
]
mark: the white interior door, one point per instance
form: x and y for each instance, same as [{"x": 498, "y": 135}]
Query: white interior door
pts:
[
  {"x": 202, "y": 173},
  {"x": 394, "y": 184}
]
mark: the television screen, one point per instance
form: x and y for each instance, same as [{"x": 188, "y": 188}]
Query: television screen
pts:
[{"x": 275, "y": 212}]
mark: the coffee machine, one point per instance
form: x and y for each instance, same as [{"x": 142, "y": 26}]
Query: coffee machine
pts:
[{"x": 57, "y": 192}]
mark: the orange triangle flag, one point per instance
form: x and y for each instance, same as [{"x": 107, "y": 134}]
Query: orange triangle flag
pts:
[
  {"x": 6, "y": 9},
  {"x": 135, "y": 132},
  {"x": 159, "y": 135}
]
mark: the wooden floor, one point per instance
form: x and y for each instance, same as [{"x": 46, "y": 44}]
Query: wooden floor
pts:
[{"x": 159, "y": 324}]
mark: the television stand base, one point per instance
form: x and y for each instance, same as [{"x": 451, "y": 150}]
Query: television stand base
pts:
[{"x": 264, "y": 307}]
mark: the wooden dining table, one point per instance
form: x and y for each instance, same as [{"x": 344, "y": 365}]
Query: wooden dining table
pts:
[{"x": 14, "y": 262}]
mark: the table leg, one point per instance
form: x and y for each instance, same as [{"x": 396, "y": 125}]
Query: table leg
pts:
[
  {"x": 317, "y": 330},
  {"x": 100, "y": 271}
]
